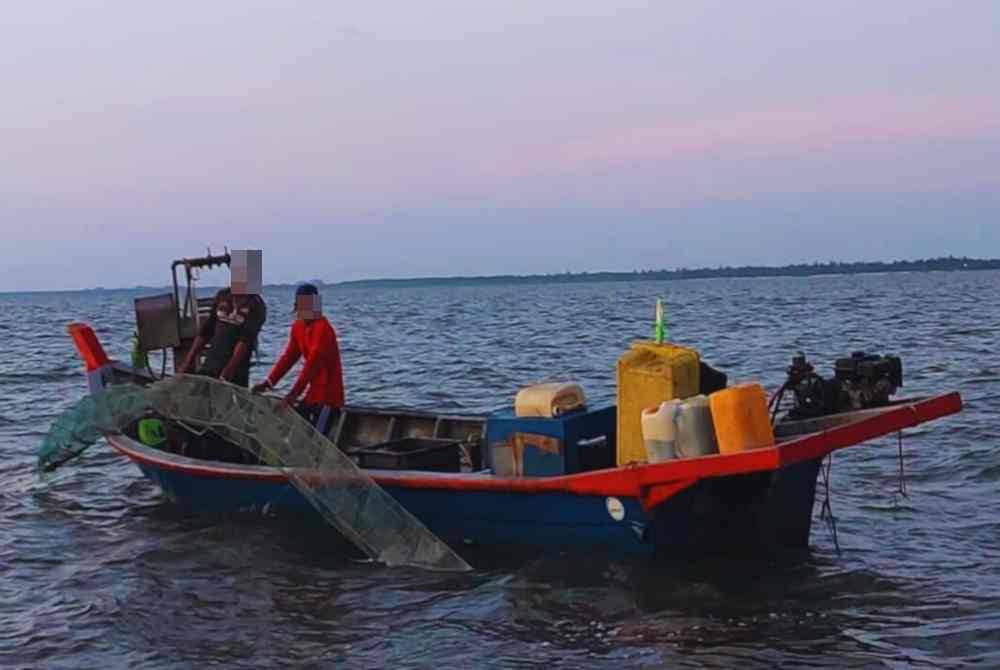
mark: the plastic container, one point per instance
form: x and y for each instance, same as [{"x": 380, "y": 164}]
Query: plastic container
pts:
[
  {"x": 549, "y": 400},
  {"x": 648, "y": 375},
  {"x": 695, "y": 430},
  {"x": 741, "y": 420},
  {"x": 151, "y": 432},
  {"x": 659, "y": 431}
]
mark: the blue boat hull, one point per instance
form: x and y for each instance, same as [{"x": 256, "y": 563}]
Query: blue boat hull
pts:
[{"x": 762, "y": 512}]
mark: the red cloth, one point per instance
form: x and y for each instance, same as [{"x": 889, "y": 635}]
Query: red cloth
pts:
[{"x": 322, "y": 372}]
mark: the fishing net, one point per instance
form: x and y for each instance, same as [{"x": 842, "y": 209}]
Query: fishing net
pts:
[
  {"x": 343, "y": 494},
  {"x": 84, "y": 424}
]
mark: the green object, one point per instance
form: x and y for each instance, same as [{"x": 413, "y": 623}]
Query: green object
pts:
[
  {"x": 151, "y": 432},
  {"x": 660, "y": 326},
  {"x": 140, "y": 360}
]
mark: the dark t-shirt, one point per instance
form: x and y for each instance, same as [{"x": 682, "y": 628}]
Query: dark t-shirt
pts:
[{"x": 233, "y": 319}]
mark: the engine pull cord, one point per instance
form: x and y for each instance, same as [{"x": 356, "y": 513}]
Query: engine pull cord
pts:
[{"x": 826, "y": 511}]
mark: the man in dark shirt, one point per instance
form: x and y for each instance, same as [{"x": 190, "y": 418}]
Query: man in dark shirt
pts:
[{"x": 232, "y": 328}]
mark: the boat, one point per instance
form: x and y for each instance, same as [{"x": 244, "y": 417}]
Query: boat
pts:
[{"x": 759, "y": 501}]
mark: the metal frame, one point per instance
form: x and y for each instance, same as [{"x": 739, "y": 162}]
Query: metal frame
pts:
[{"x": 189, "y": 308}]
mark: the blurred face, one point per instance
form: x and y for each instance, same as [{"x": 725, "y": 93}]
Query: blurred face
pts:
[
  {"x": 246, "y": 274},
  {"x": 308, "y": 307}
]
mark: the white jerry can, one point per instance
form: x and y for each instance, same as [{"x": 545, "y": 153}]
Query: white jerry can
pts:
[
  {"x": 695, "y": 430},
  {"x": 659, "y": 431}
]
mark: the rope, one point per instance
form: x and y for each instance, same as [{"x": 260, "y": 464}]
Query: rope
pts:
[
  {"x": 826, "y": 512},
  {"x": 902, "y": 473},
  {"x": 774, "y": 404}
]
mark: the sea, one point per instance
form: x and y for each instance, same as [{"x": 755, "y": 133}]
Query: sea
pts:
[{"x": 97, "y": 570}]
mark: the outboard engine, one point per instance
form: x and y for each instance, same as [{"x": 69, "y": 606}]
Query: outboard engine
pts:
[
  {"x": 867, "y": 380},
  {"x": 861, "y": 381}
]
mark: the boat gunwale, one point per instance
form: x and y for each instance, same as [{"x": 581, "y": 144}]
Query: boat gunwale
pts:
[{"x": 649, "y": 482}]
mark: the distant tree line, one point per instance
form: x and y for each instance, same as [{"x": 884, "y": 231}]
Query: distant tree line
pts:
[{"x": 947, "y": 263}]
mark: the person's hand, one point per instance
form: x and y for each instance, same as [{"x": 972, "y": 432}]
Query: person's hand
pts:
[
  {"x": 261, "y": 387},
  {"x": 287, "y": 402}
]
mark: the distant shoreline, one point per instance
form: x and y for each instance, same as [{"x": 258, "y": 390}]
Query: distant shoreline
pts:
[
  {"x": 943, "y": 264},
  {"x": 947, "y": 264}
]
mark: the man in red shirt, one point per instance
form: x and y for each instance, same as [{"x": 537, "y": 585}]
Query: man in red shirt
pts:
[{"x": 322, "y": 378}]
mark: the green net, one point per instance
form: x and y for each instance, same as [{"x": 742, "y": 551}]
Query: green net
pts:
[
  {"x": 346, "y": 497},
  {"x": 82, "y": 425}
]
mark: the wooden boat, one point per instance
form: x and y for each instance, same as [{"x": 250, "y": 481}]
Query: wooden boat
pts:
[{"x": 758, "y": 501}]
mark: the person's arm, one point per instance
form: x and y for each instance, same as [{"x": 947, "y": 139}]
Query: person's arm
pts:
[
  {"x": 205, "y": 333},
  {"x": 321, "y": 348},
  {"x": 241, "y": 352},
  {"x": 248, "y": 335},
  {"x": 192, "y": 355},
  {"x": 281, "y": 367}
]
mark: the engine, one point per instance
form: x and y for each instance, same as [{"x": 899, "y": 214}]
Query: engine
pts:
[
  {"x": 867, "y": 380},
  {"x": 860, "y": 381}
]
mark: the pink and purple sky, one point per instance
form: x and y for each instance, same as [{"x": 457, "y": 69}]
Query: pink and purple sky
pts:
[{"x": 438, "y": 138}]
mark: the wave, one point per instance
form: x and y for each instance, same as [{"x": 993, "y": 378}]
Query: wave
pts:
[{"x": 49, "y": 376}]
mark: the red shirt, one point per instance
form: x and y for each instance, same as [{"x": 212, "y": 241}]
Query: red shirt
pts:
[{"x": 315, "y": 340}]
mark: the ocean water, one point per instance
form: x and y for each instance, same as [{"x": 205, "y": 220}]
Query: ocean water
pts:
[{"x": 97, "y": 570}]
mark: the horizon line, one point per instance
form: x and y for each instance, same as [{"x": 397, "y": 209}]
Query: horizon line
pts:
[{"x": 720, "y": 272}]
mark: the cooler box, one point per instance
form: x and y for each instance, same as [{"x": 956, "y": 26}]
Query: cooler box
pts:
[
  {"x": 540, "y": 447},
  {"x": 648, "y": 375}
]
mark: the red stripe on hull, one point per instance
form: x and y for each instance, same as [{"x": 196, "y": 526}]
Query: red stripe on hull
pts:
[{"x": 652, "y": 484}]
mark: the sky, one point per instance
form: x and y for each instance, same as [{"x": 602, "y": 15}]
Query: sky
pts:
[{"x": 378, "y": 139}]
